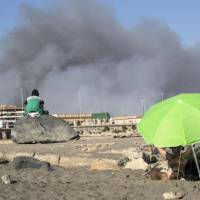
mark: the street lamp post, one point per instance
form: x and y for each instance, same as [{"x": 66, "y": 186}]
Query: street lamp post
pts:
[
  {"x": 162, "y": 96},
  {"x": 142, "y": 106},
  {"x": 22, "y": 98},
  {"x": 80, "y": 106}
]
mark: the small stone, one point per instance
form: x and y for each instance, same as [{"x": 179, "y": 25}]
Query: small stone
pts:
[
  {"x": 6, "y": 179},
  {"x": 111, "y": 174},
  {"x": 3, "y": 161},
  {"x": 123, "y": 162},
  {"x": 173, "y": 195}
]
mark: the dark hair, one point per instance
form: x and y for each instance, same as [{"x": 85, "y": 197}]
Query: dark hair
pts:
[{"x": 35, "y": 92}]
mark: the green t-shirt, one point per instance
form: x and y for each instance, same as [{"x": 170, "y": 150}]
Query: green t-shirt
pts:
[{"x": 33, "y": 105}]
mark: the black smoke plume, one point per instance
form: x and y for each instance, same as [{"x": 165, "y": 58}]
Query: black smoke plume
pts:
[{"x": 83, "y": 60}]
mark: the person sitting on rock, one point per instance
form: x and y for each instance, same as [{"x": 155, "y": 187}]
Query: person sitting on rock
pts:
[{"x": 34, "y": 105}]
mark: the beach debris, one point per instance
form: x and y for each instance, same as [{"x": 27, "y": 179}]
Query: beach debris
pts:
[
  {"x": 122, "y": 162},
  {"x": 6, "y": 179},
  {"x": 111, "y": 174},
  {"x": 3, "y": 161},
  {"x": 123, "y": 136},
  {"x": 173, "y": 195},
  {"x": 164, "y": 162},
  {"x": 23, "y": 162},
  {"x": 43, "y": 129}
]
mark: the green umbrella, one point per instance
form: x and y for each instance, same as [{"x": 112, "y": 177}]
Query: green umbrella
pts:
[{"x": 173, "y": 122}]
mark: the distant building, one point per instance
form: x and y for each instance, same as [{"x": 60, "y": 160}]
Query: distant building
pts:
[
  {"x": 85, "y": 119},
  {"x": 101, "y": 116},
  {"x": 8, "y": 116},
  {"x": 74, "y": 119},
  {"x": 125, "y": 120},
  {"x": 10, "y": 113}
]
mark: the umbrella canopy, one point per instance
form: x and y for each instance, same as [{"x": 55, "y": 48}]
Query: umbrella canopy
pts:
[{"x": 173, "y": 122}]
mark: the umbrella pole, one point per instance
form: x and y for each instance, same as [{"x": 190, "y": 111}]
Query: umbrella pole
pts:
[
  {"x": 179, "y": 162},
  {"x": 195, "y": 158}
]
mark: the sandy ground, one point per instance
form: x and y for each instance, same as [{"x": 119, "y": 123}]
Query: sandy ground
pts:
[
  {"x": 91, "y": 152},
  {"x": 80, "y": 181}
]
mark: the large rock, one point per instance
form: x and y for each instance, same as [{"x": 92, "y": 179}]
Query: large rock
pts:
[{"x": 43, "y": 129}]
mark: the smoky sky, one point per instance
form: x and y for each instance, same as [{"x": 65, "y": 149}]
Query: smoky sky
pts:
[{"x": 82, "y": 59}]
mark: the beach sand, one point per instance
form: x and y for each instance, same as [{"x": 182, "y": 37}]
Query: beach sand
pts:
[{"x": 81, "y": 181}]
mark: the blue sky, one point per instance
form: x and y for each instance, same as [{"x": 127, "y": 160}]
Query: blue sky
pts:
[
  {"x": 181, "y": 15},
  {"x": 10, "y": 12}
]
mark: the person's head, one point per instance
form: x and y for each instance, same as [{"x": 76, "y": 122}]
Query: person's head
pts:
[{"x": 35, "y": 92}]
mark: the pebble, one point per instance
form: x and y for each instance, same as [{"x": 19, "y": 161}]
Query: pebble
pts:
[
  {"x": 123, "y": 162},
  {"x": 173, "y": 195},
  {"x": 6, "y": 179}
]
